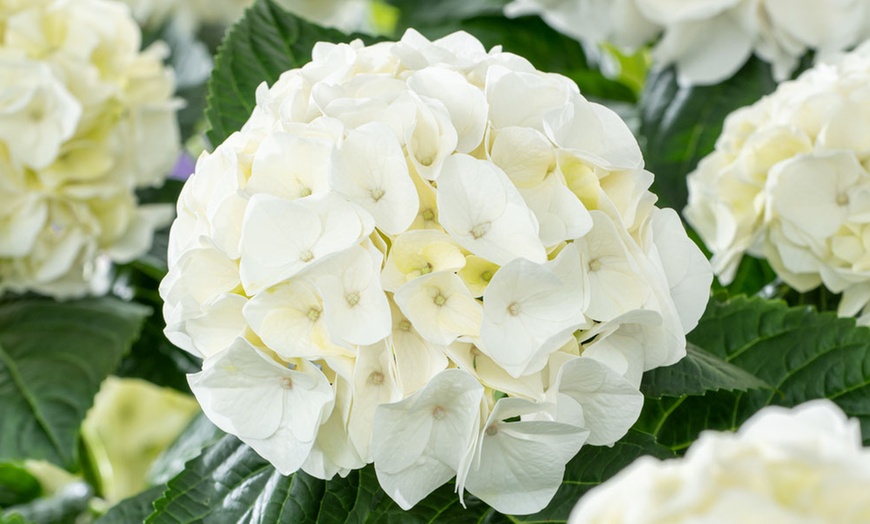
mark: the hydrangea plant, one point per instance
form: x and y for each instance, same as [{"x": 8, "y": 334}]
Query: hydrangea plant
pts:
[
  {"x": 86, "y": 118},
  {"x": 788, "y": 182},
  {"x": 805, "y": 464},
  {"x": 710, "y": 40},
  {"x": 431, "y": 257}
]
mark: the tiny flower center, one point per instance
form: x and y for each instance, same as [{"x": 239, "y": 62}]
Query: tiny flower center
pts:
[
  {"x": 36, "y": 112},
  {"x": 352, "y": 299},
  {"x": 594, "y": 265},
  {"x": 425, "y": 270},
  {"x": 479, "y": 230},
  {"x": 287, "y": 383},
  {"x": 439, "y": 413},
  {"x": 304, "y": 192},
  {"x": 439, "y": 300},
  {"x": 376, "y": 378},
  {"x": 492, "y": 430},
  {"x": 405, "y": 325},
  {"x": 376, "y": 194},
  {"x": 842, "y": 199},
  {"x": 514, "y": 309},
  {"x": 314, "y": 314},
  {"x": 306, "y": 256},
  {"x": 428, "y": 215},
  {"x": 486, "y": 276}
]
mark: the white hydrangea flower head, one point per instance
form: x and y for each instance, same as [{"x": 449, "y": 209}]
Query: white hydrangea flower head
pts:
[
  {"x": 710, "y": 40},
  {"x": 789, "y": 181},
  {"x": 456, "y": 258},
  {"x": 86, "y": 118},
  {"x": 346, "y": 15},
  {"x": 799, "y": 465}
]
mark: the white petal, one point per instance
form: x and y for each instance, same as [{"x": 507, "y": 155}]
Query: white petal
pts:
[
  {"x": 485, "y": 213},
  {"x": 465, "y": 103},
  {"x": 705, "y": 52},
  {"x": 561, "y": 215},
  {"x": 290, "y": 166},
  {"x": 289, "y": 319},
  {"x": 419, "y": 443},
  {"x": 219, "y": 325},
  {"x": 370, "y": 170},
  {"x": 440, "y": 307},
  {"x": 420, "y": 252},
  {"x": 521, "y": 464},
  {"x": 522, "y": 99},
  {"x": 356, "y": 308},
  {"x": 616, "y": 284},
  {"x": 526, "y": 304},
  {"x": 688, "y": 272},
  {"x": 417, "y": 360},
  {"x": 611, "y": 405},
  {"x": 309, "y": 403},
  {"x": 815, "y": 203},
  {"x": 374, "y": 383},
  {"x": 280, "y": 238},
  {"x": 593, "y": 133}
]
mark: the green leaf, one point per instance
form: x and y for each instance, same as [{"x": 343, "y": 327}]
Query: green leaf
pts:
[
  {"x": 133, "y": 509},
  {"x": 64, "y": 507},
  {"x": 801, "y": 353},
  {"x": 697, "y": 373},
  {"x": 680, "y": 125},
  {"x": 258, "y": 48},
  {"x": 17, "y": 485},
  {"x": 199, "y": 434},
  {"x": 231, "y": 482},
  {"x": 547, "y": 49},
  {"x": 53, "y": 357}
]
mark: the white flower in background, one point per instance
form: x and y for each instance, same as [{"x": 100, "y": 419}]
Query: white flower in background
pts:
[
  {"x": 428, "y": 238},
  {"x": 346, "y": 15},
  {"x": 798, "y": 465},
  {"x": 788, "y": 181},
  {"x": 86, "y": 118},
  {"x": 710, "y": 40}
]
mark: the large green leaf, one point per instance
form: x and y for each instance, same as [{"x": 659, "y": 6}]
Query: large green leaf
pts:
[
  {"x": 53, "y": 357},
  {"x": 258, "y": 48},
  {"x": 801, "y": 353},
  {"x": 680, "y": 125},
  {"x": 697, "y": 373},
  {"x": 199, "y": 434},
  {"x": 133, "y": 509},
  {"x": 230, "y": 483}
]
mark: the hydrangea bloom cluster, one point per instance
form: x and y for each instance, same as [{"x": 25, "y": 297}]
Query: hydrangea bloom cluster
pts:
[
  {"x": 430, "y": 257},
  {"x": 85, "y": 118},
  {"x": 789, "y": 181},
  {"x": 346, "y": 15},
  {"x": 801, "y": 465},
  {"x": 709, "y": 40}
]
